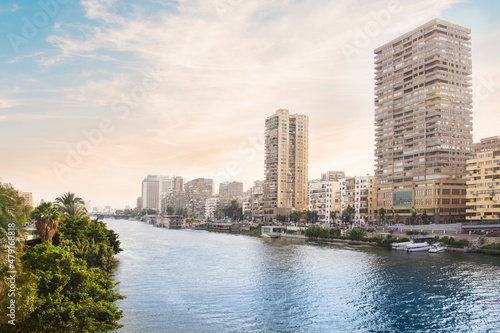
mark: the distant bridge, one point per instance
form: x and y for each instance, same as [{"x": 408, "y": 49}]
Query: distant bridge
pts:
[{"x": 116, "y": 216}]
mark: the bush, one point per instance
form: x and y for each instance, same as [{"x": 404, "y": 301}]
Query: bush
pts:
[
  {"x": 490, "y": 249},
  {"x": 412, "y": 232},
  {"x": 493, "y": 234},
  {"x": 357, "y": 234},
  {"x": 403, "y": 239},
  {"x": 459, "y": 244},
  {"x": 391, "y": 231}
]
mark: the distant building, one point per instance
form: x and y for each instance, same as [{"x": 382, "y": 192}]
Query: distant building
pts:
[
  {"x": 88, "y": 205},
  {"x": 483, "y": 186},
  {"x": 211, "y": 205},
  {"x": 27, "y": 196},
  {"x": 231, "y": 189},
  {"x": 332, "y": 176},
  {"x": 151, "y": 192},
  {"x": 286, "y": 164},
  {"x": 197, "y": 191},
  {"x": 256, "y": 200},
  {"x": 491, "y": 143}
]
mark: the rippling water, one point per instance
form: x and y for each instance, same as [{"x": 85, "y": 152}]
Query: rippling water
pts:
[{"x": 196, "y": 281}]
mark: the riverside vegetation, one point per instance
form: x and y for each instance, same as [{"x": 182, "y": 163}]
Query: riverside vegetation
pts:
[{"x": 64, "y": 283}]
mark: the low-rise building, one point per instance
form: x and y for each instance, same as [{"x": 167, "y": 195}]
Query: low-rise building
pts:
[
  {"x": 357, "y": 192},
  {"x": 322, "y": 198}
]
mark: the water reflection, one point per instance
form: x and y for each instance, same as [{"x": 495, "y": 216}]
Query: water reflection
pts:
[{"x": 195, "y": 281}]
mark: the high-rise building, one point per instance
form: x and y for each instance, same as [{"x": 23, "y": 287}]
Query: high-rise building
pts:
[
  {"x": 286, "y": 157},
  {"x": 151, "y": 192},
  {"x": 423, "y": 117}
]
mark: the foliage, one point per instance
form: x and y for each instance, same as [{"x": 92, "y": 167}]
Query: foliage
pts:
[
  {"x": 490, "y": 249},
  {"x": 403, "y": 239},
  {"x": 254, "y": 231},
  {"x": 70, "y": 205},
  {"x": 90, "y": 241},
  {"x": 451, "y": 242},
  {"x": 58, "y": 293},
  {"x": 357, "y": 234},
  {"x": 319, "y": 232},
  {"x": 170, "y": 210},
  {"x": 425, "y": 218},
  {"x": 47, "y": 220},
  {"x": 11, "y": 205},
  {"x": 184, "y": 212},
  {"x": 412, "y": 232},
  {"x": 391, "y": 231},
  {"x": 493, "y": 234},
  {"x": 348, "y": 213}
]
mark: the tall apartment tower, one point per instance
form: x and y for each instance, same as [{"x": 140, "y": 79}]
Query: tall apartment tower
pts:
[
  {"x": 423, "y": 113},
  {"x": 286, "y": 157},
  {"x": 151, "y": 192}
]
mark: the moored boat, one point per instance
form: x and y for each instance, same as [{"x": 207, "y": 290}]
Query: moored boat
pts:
[
  {"x": 437, "y": 248},
  {"x": 400, "y": 246}
]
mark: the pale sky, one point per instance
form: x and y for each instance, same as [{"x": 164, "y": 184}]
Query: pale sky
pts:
[{"x": 96, "y": 94}]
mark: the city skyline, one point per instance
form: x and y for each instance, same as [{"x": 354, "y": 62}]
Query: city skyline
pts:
[{"x": 185, "y": 91}]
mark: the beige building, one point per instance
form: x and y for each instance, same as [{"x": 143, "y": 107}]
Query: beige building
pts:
[
  {"x": 231, "y": 189},
  {"x": 286, "y": 157},
  {"x": 197, "y": 191},
  {"x": 423, "y": 118},
  {"x": 256, "y": 200},
  {"x": 483, "y": 186},
  {"x": 491, "y": 143}
]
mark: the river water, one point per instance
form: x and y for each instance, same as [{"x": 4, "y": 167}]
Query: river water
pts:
[{"x": 198, "y": 281}]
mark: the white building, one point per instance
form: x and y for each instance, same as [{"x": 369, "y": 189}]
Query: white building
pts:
[
  {"x": 357, "y": 192},
  {"x": 322, "y": 198},
  {"x": 211, "y": 205}
]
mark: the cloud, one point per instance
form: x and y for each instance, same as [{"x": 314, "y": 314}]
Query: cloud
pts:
[{"x": 224, "y": 66}]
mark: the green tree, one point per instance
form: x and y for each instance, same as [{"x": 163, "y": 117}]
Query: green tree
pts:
[
  {"x": 333, "y": 216},
  {"x": 47, "y": 219},
  {"x": 414, "y": 217},
  {"x": 170, "y": 210},
  {"x": 425, "y": 218},
  {"x": 63, "y": 295},
  {"x": 71, "y": 205},
  {"x": 184, "y": 212},
  {"x": 357, "y": 234},
  {"x": 89, "y": 240},
  {"x": 381, "y": 213}
]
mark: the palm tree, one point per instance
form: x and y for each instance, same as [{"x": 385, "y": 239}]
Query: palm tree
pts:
[
  {"x": 381, "y": 213},
  {"x": 70, "y": 205},
  {"x": 47, "y": 220}
]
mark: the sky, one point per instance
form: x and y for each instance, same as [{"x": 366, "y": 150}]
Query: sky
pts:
[{"x": 97, "y": 94}]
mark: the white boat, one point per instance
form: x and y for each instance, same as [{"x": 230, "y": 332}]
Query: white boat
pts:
[
  {"x": 400, "y": 246},
  {"x": 437, "y": 248},
  {"x": 419, "y": 244},
  {"x": 418, "y": 247}
]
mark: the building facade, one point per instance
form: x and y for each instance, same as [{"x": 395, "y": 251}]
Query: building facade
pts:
[
  {"x": 322, "y": 198},
  {"x": 286, "y": 160},
  {"x": 423, "y": 116},
  {"x": 151, "y": 193},
  {"x": 197, "y": 191},
  {"x": 483, "y": 186},
  {"x": 358, "y": 193}
]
